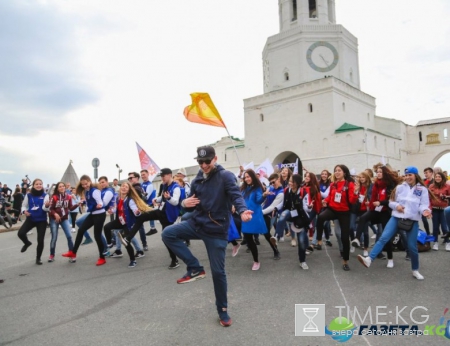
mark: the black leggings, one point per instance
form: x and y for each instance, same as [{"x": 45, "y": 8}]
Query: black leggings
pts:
[
  {"x": 267, "y": 235},
  {"x": 251, "y": 245},
  {"x": 117, "y": 225},
  {"x": 156, "y": 214},
  {"x": 344, "y": 221},
  {"x": 96, "y": 220},
  {"x": 73, "y": 217},
  {"x": 27, "y": 226},
  {"x": 375, "y": 217}
]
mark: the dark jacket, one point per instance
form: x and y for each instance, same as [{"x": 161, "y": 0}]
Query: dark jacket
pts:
[{"x": 216, "y": 193}]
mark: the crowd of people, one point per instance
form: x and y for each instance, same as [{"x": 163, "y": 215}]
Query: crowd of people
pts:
[{"x": 301, "y": 207}]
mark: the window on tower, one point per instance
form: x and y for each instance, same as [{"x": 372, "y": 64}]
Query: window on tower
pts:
[
  {"x": 294, "y": 10},
  {"x": 261, "y": 117},
  {"x": 310, "y": 108},
  {"x": 286, "y": 76},
  {"x": 312, "y": 9}
]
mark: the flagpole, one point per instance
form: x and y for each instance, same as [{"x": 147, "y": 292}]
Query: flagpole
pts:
[{"x": 232, "y": 142}]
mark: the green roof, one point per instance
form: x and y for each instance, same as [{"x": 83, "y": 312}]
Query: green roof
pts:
[{"x": 346, "y": 127}]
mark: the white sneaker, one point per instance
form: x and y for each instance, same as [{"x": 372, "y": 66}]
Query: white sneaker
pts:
[
  {"x": 447, "y": 247},
  {"x": 365, "y": 253},
  {"x": 293, "y": 242},
  {"x": 307, "y": 252},
  {"x": 373, "y": 237},
  {"x": 355, "y": 243},
  {"x": 417, "y": 275},
  {"x": 436, "y": 246},
  {"x": 352, "y": 249},
  {"x": 304, "y": 266},
  {"x": 235, "y": 250},
  {"x": 74, "y": 230},
  {"x": 282, "y": 240},
  {"x": 365, "y": 261},
  {"x": 30, "y": 232},
  {"x": 273, "y": 240},
  {"x": 390, "y": 264}
]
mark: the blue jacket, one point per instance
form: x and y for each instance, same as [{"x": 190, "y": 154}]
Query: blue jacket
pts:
[
  {"x": 172, "y": 211},
  {"x": 253, "y": 199},
  {"x": 149, "y": 198},
  {"x": 38, "y": 214},
  {"x": 90, "y": 201},
  {"x": 211, "y": 217},
  {"x": 130, "y": 218}
]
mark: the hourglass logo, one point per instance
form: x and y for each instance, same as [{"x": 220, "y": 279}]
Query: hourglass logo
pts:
[{"x": 309, "y": 319}]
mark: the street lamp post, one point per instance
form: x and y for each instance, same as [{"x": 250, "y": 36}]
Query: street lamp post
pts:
[{"x": 119, "y": 169}]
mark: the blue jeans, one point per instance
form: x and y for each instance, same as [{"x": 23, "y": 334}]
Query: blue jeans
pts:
[
  {"x": 79, "y": 222},
  {"x": 281, "y": 224},
  {"x": 143, "y": 236},
  {"x": 174, "y": 237},
  {"x": 389, "y": 231},
  {"x": 54, "y": 226},
  {"x": 439, "y": 220},
  {"x": 303, "y": 243},
  {"x": 134, "y": 242},
  {"x": 447, "y": 219}
]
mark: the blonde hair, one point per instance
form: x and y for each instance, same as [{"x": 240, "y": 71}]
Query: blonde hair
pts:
[
  {"x": 142, "y": 206},
  {"x": 80, "y": 190},
  {"x": 367, "y": 183}
]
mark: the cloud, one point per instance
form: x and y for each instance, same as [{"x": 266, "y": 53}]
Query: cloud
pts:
[{"x": 40, "y": 79}]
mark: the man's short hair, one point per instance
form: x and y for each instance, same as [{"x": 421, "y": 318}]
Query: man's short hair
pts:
[
  {"x": 428, "y": 169},
  {"x": 134, "y": 174},
  {"x": 144, "y": 170},
  {"x": 115, "y": 179},
  {"x": 103, "y": 178},
  {"x": 274, "y": 176}
]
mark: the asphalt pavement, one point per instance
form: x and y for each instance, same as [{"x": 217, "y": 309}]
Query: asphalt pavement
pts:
[{"x": 61, "y": 303}]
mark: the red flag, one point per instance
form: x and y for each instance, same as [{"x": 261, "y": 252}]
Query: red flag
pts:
[{"x": 147, "y": 163}]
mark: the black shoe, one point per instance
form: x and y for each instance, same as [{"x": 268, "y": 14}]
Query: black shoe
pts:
[
  {"x": 328, "y": 243},
  {"x": 257, "y": 242},
  {"x": 248, "y": 250},
  {"x": 116, "y": 254},
  {"x": 152, "y": 231},
  {"x": 345, "y": 267},
  {"x": 139, "y": 254},
  {"x": 188, "y": 243},
  {"x": 318, "y": 247},
  {"x": 310, "y": 248},
  {"x": 244, "y": 242},
  {"x": 38, "y": 261},
  {"x": 381, "y": 256},
  {"x": 407, "y": 258},
  {"x": 145, "y": 248},
  {"x": 26, "y": 246},
  {"x": 276, "y": 255},
  {"x": 174, "y": 264}
]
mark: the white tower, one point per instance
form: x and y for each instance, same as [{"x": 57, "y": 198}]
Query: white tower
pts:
[{"x": 310, "y": 46}]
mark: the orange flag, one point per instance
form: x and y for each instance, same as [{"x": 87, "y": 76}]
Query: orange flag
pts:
[{"x": 203, "y": 111}]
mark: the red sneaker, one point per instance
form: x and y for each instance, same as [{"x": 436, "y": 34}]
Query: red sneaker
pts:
[
  {"x": 100, "y": 262},
  {"x": 189, "y": 277},
  {"x": 70, "y": 254}
]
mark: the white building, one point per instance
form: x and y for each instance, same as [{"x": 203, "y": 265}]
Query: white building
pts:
[{"x": 313, "y": 109}]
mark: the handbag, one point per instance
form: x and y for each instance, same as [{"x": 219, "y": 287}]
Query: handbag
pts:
[{"x": 405, "y": 224}]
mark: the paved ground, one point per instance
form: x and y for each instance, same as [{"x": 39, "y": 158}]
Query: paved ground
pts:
[{"x": 81, "y": 304}]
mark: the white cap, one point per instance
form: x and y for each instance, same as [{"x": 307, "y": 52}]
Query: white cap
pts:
[
  {"x": 182, "y": 171},
  {"x": 353, "y": 171}
]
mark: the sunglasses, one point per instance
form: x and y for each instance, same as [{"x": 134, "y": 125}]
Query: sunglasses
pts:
[
  {"x": 201, "y": 162},
  {"x": 131, "y": 178},
  {"x": 272, "y": 182}
]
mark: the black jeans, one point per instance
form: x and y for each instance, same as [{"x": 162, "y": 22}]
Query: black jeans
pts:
[
  {"x": 156, "y": 214},
  {"x": 73, "y": 217},
  {"x": 117, "y": 225},
  {"x": 375, "y": 217},
  {"x": 251, "y": 245},
  {"x": 344, "y": 221},
  {"x": 41, "y": 228},
  {"x": 267, "y": 220},
  {"x": 96, "y": 220}
]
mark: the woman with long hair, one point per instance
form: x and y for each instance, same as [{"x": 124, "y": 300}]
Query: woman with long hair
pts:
[
  {"x": 379, "y": 211},
  {"x": 129, "y": 205},
  {"x": 73, "y": 213},
  {"x": 312, "y": 187},
  {"x": 365, "y": 190},
  {"x": 439, "y": 189},
  {"x": 60, "y": 206},
  {"x": 285, "y": 176},
  {"x": 35, "y": 206},
  {"x": 252, "y": 191},
  {"x": 96, "y": 218},
  {"x": 409, "y": 201},
  {"x": 337, "y": 203}
]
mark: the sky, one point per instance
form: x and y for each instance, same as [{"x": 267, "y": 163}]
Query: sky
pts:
[{"x": 87, "y": 79}]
